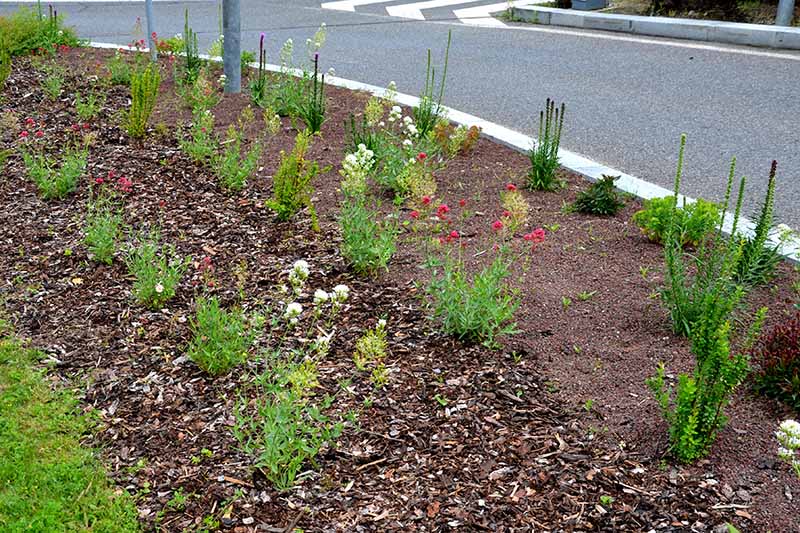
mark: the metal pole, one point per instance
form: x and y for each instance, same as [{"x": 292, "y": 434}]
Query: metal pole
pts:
[
  {"x": 148, "y": 7},
  {"x": 232, "y": 46},
  {"x": 785, "y": 13}
]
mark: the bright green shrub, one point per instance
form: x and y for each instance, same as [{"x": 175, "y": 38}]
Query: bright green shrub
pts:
[{"x": 693, "y": 222}]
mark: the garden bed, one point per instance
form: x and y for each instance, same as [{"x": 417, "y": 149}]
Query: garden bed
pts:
[{"x": 556, "y": 430}]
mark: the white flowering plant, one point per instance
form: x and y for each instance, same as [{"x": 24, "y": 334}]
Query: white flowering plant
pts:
[
  {"x": 157, "y": 269},
  {"x": 788, "y": 436}
]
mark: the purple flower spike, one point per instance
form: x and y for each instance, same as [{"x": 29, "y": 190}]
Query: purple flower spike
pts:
[{"x": 316, "y": 56}]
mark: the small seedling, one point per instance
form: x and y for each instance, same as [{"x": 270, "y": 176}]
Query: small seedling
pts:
[
  {"x": 644, "y": 271},
  {"x": 552, "y": 228},
  {"x": 443, "y": 401},
  {"x": 586, "y": 295},
  {"x": 588, "y": 405},
  {"x": 566, "y": 302},
  {"x": 606, "y": 500}
]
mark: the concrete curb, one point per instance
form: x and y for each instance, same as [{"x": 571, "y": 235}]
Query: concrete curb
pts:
[
  {"x": 522, "y": 143},
  {"x": 696, "y": 30}
]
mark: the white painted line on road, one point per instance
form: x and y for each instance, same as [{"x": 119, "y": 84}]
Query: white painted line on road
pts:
[
  {"x": 414, "y": 11},
  {"x": 481, "y": 15},
  {"x": 520, "y": 142},
  {"x": 350, "y": 5}
]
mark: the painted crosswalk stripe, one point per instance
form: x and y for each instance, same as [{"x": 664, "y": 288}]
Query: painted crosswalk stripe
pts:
[
  {"x": 414, "y": 11},
  {"x": 350, "y": 5},
  {"x": 481, "y": 15}
]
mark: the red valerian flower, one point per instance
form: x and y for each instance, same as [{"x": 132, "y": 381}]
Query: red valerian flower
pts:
[
  {"x": 86, "y": 125},
  {"x": 454, "y": 234},
  {"x": 23, "y": 134},
  {"x": 39, "y": 134},
  {"x": 75, "y": 127},
  {"x": 124, "y": 184},
  {"x": 536, "y": 236},
  {"x": 421, "y": 156},
  {"x": 30, "y": 122},
  {"x": 497, "y": 225},
  {"x": 99, "y": 180},
  {"x": 426, "y": 200},
  {"x": 511, "y": 187},
  {"x": 153, "y": 35},
  {"x": 506, "y": 214},
  {"x": 462, "y": 203},
  {"x": 414, "y": 215},
  {"x": 442, "y": 211},
  {"x": 206, "y": 265}
]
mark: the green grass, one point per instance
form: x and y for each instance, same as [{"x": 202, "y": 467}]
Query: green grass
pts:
[{"x": 48, "y": 481}]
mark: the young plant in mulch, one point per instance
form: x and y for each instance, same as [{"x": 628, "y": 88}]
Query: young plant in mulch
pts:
[
  {"x": 691, "y": 222},
  {"x": 221, "y": 338},
  {"x": 233, "y": 167},
  {"x": 291, "y": 185},
  {"x": 430, "y": 110},
  {"x": 54, "y": 178},
  {"x": 144, "y": 90},
  {"x": 370, "y": 354},
  {"x": 454, "y": 140},
  {"x": 694, "y": 410},
  {"x": 157, "y": 269},
  {"x": 119, "y": 70},
  {"x": 544, "y": 154},
  {"x": 758, "y": 261},
  {"x": 103, "y": 228},
  {"x": 285, "y": 426},
  {"x": 367, "y": 244},
  {"x": 312, "y": 109},
  {"x": 477, "y": 307},
  {"x": 701, "y": 287},
  {"x": 201, "y": 145},
  {"x": 88, "y": 107},
  {"x": 600, "y": 198},
  {"x": 776, "y": 358}
]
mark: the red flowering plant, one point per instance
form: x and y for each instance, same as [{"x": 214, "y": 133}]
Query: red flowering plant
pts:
[
  {"x": 478, "y": 304},
  {"x": 54, "y": 178}
]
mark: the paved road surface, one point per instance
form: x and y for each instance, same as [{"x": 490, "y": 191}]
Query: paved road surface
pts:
[{"x": 628, "y": 98}]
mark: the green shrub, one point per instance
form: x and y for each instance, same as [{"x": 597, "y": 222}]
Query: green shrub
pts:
[
  {"x": 87, "y": 108},
  {"x": 27, "y": 30},
  {"x": 693, "y": 222},
  {"x": 544, "y": 154},
  {"x": 476, "y": 308},
  {"x": 777, "y": 359},
  {"x": 757, "y": 262},
  {"x": 52, "y": 182},
  {"x": 144, "y": 90},
  {"x": 291, "y": 187},
  {"x": 201, "y": 145},
  {"x": 601, "y": 198},
  {"x": 53, "y": 83},
  {"x": 48, "y": 480},
  {"x": 220, "y": 338},
  {"x": 103, "y": 222},
  {"x": 157, "y": 270},
  {"x": 694, "y": 410},
  {"x": 367, "y": 244}
]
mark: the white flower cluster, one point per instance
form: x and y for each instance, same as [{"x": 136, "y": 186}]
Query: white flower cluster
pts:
[
  {"x": 788, "y": 435},
  {"x": 409, "y": 127},
  {"x": 357, "y": 165},
  {"x": 287, "y": 53},
  {"x": 322, "y": 344},
  {"x": 293, "y": 312},
  {"x": 298, "y": 275},
  {"x": 391, "y": 92},
  {"x": 314, "y": 44},
  {"x": 395, "y": 113}
]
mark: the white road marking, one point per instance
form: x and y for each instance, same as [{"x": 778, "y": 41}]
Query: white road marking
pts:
[
  {"x": 350, "y": 5},
  {"x": 481, "y": 15},
  {"x": 414, "y": 11}
]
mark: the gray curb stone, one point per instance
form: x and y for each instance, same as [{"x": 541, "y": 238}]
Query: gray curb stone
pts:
[{"x": 696, "y": 30}]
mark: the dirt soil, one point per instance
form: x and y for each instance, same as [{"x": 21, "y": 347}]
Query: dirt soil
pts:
[{"x": 524, "y": 438}]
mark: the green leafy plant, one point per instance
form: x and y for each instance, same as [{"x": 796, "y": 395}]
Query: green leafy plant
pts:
[
  {"x": 312, "y": 109},
  {"x": 371, "y": 348},
  {"x": 691, "y": 222},
  {"x": 292, "y": 188},
  {"x": 102, "y": 230},
  {"x": 191, "y": 55},
  {"x": 357, "y": 134},
  {"x": 53, "y": 84},
  {"x": 258, "y": 85},
  {"x": 600, "y": 198},
  {"x": 201, "y": 145},
  {"x": 705, "y": 291},
  {"x": 200, "y": 94},
  {"x": 544, "y": 154},
  {"x": 119, "y": 70},
  {"x": 50, "y": 480},
  {"x": 694, "y": 411},
  {"x": 220, "y": 338},
  {"x": 430, "y": 110},
  {"x": 55, "y": 181},
  {"x": 478, "y": 307},
  {"x": 144, "y": 90},
  {"x": 157, "y": 270},
  {"x": 232, "y": 167},
  {"x": 87, "y": 108},
  {"x": 777, "y": 360},
  {"x": 5, "y": 65},
  {"x": 27, "y": 30},
  {"x": 283, "y": 94},
  {"x": 757, "y": 261},
  {"x": 367, "y": 244}
]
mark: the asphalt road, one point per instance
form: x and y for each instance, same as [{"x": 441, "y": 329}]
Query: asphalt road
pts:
[{"x": 628, "y": 99}]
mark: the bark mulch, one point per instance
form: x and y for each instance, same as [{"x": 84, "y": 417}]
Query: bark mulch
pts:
[{"x": 462, "y": 437}]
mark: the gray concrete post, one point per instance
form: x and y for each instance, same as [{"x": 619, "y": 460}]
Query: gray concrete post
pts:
[
  {"x": 785, "y": 12},
  {"x": 148, "y": 6},
  {"x": 232, "y": 46}
]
